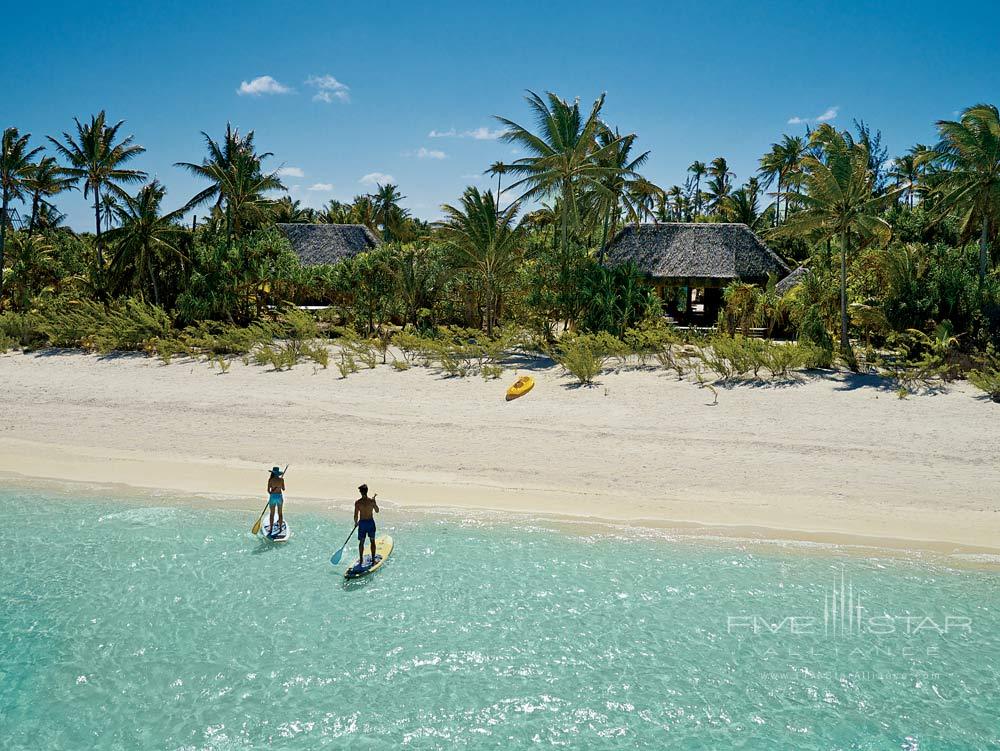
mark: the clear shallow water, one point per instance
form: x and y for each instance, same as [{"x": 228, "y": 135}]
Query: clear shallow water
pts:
[{"x": 167, "y": 628}]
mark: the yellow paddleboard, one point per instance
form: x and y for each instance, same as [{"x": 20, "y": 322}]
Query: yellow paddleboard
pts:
[
  {"x": 521, "y": 386},
  {"x": 383, "y": 547}
]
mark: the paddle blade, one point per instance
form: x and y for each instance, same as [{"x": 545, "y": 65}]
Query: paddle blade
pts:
[
  {"x": 335, "y": 558},
  {"x": 256, "y": 527}
]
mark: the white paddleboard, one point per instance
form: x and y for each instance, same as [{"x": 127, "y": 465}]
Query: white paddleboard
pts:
[{"x": 281, "y": 536}]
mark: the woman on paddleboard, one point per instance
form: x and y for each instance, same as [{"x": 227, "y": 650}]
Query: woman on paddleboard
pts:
[
  {"x": 276, "y": 498},
  {"x": 365, "y": 509}
]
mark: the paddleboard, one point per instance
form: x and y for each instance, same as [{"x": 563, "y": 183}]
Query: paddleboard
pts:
[
  {"x": 383, "y": 547},
  {"x": 281, "y": 536}
]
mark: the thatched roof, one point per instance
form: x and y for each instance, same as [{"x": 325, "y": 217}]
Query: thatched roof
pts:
[
  {"x": 317, "y": 244},
  {"x": 792, "y": 280},
  {"x": 676, "y": 250}
]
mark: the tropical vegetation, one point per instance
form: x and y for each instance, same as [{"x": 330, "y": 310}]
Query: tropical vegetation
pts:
[{"x": 897, "y": 259}]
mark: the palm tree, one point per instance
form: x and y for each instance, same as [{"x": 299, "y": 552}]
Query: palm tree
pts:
[
  {"x": 565, "y": 158},
  {"x": 698, "y": 170},
  {"x": 97, "y": 157},
  {"x": 335, "y": 212},
  {"x": 363, "y": 211},
  {"x": 719, "y": 183},
  {"x": 623, "y": 190},
  {"x": 497, "y": 170},
  {"x": 288, "y": 211},
  {"x": 782, "y": 163},
  {"x": 386, "y": 199},
  {"x": 969, "y": 151},
  {"x": 239, "y": 183},
  {"x": 45, "y": 180},
  {"x": 838, "y": 201},
  {"x": 109, "y": 204},
  {"x": 49, "y": 217},
  {"x": 742, "y": 205},
  {"x": 145, "y": 236},
  {"x": 675, "y": 203},
  {"x": 31, "y": 266},
  {"x": 905, "y": 171},
  {"x": 15, "y": 169},
  {"x": 485, "y": 243}
]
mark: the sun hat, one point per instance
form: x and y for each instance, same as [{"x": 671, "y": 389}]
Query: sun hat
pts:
[{"x": 276, "y": 471}]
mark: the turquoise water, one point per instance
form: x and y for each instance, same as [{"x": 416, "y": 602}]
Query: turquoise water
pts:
[{"x": 165, "y": 628}]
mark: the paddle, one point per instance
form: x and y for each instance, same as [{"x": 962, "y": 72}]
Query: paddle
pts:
[
  {"x": 335, "y": 558},
  {"x": 256, "y": 526}
]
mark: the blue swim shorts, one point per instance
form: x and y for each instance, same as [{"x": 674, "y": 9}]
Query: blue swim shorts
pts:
[
  {"x": 276, "y": 499},
  {"x": 366, "y": 527}
]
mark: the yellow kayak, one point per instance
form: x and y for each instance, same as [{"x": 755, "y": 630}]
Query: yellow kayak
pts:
[
  {"x": 383, "y": 546},
  {"x": 521, "y": 386}
]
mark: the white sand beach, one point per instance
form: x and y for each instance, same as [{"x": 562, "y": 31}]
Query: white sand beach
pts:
[{"x": 837, "y": 458}]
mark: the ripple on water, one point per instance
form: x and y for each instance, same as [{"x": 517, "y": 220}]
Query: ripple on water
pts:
[{"x": 143, "y": 632}]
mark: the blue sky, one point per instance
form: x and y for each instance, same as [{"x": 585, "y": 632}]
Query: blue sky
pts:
[{"x": 357, "y": 89}]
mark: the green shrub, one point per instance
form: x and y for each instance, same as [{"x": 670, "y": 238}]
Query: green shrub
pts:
[
  {"x": 318, "y": 354},
  {"x": 915, "y": 361},
  {"x": 278, "y": 356},
  {"x": 781, "y": 359},
  {"x": 346, "y": 364},
  {"x": 649, "y": 339},
  {"x": 585, "y": 355},
  {"x": 674, "y": 358},
  {"x": 20, "y": 330},
  {"x": 298, "y": 325},
  {"x": 364, "y": 352},
  {"x": 986, "y": 377},
  {"x": 456, "y": 351},
  {"x": 214, "y": 338},
  {"x": 735, "y": 356},
  {"x": 813, "y": 331},
  {"x": 491, "y": 372},
  {"x": 126, "y": 325}
]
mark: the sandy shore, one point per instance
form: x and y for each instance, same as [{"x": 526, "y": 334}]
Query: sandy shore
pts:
[{"x": 831, "y": 459}]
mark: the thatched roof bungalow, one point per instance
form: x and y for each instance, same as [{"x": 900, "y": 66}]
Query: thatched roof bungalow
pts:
[
  {"x": 317, "y": 244},
  {"x": 792, "y": 281},
  {"x": 691, "y": 263}
]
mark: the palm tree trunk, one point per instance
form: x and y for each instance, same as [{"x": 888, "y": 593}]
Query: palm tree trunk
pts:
[
  {"x": 786, "y": 209},
  {"x": 3, "y": 240},
  {"x": 604, "y": 238},
  {"x": 777, "y": 204},
  {"x": 499, "y": 177},
  {"x": 845, "y": 342},
  {"x": 97, "y": 234},
  {"x": 152, "y": 278},
  {"x": 489, "y": 308},
  {"x": 35, "y": 200},
  {"x": 983, "y": 249}
]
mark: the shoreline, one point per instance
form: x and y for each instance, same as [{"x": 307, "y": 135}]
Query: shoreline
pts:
[
  {"x": 832, "y": 459},
  {"x": 82, "y": 481}
]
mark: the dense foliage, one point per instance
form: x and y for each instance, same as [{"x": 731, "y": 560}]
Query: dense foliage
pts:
[{"x": 891, "y": 250}]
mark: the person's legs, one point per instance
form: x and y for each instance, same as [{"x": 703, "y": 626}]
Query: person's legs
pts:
[
  {"x": 361, "y": 551},
  {"x": 281, "y": 514},
  {"x": 270, "y": 522},
  {"x": 373, "y": 548}
]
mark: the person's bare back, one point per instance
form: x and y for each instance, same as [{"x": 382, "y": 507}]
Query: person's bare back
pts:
[{"x": 365, "y": 509}]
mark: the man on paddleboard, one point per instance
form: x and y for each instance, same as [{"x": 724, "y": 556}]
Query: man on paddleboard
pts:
[
  {"x": 276, "y": 498},
  {"x": 365, "y": 509}
]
